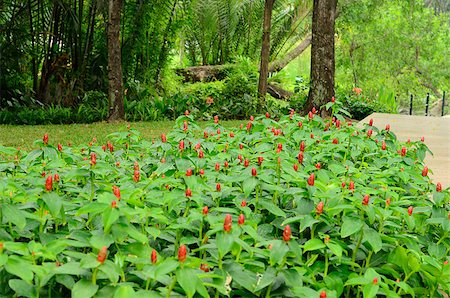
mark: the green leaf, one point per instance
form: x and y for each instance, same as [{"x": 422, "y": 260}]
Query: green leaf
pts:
[
  {"x": 272, "y": 208},
  {"x": 374, "y": 239},
  {"x": 53, "y": 202},
  {"x": 94, "y": 207},
  {"x": 335, "y": 248},
  {"x": 350, "y": 226},
  {"x": 14, "y": 215},
  {"x": 304, "y": 292},
  {"x": 110, "y": 216},
  {"x": 249, "y": 185},
  {"x": 278, "y": 251},
  {"x": 313, "y": 244},
  {"x": 370, "y": 290},
  {"x": 124, "y": 291},
  {"x": 167, "y": 266},
  {"x": 33, "y": 155},
  {"x": 266, "y": 279},
  {"x": 184, "y": 278},
  {"x": 84, "y": 289},
  {"x": 22, "y": 288},
  {"x": 18, "y": 267},
  {"x": 224, "y": 241}
]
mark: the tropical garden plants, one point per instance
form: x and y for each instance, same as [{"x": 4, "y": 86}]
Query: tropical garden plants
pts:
[{"x": 289, "y": 207}]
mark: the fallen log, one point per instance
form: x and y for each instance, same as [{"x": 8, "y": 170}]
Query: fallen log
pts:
[{"x": 278, "y": 92}]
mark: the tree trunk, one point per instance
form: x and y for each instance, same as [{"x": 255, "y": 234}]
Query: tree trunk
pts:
[
  {"x": 115, "y": 89},
  {"x": 265, "y": 51},
  {"x": 322, "y": 55}
]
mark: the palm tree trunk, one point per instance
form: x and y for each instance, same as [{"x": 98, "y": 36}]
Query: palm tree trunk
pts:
[
  {"x": 265, "y": 51},
  {"x": 115, "y": 92}
]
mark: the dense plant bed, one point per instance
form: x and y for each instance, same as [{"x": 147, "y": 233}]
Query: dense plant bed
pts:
[{"x": 300, "y": 207}]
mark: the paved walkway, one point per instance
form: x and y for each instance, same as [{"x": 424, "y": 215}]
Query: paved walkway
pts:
[{"x": 436, "y": 131}]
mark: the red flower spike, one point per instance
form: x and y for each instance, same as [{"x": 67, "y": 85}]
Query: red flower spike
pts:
[
  {"x": 189, "y": 172},
  {"x": 201, "y": 154},
  {"x": 240, "y": 158},
  {"x": 252, "y": 118},
  {"x": 422, "y": 139},
  {"x": 260, "y": 160},
  {"x": 279, "y": 147},
  {"x": 49, "y": 183},
  {"x": 311, "y": 136},
  {"x": 197, "y": 146},
  {"x": 311, "y": 180},
  {"x": 375, "y": 281},
  {"x": 343, "y": 184},
  {"x": 335, "y": 141},
  {"x": 246, "y": 163},
  {"x": 410, "y": 210},
  {"x": 227, "y": 223},
  {"x": 323, "y": 294},
  {"x": 243, "y": 203},
  {"x": 188, "y": 192},
  {"x": 205, "y": 134},
  {"x": 241, "y": 219},
  {"x": 253, "y": 172},
  {"x": 388, "y": 127},
  {"x": 163, "y": 160},
  {"x": 313, "y": 110},
  {"x": 425, "y": 171},
  {"x": 204, "y": 267},
  {"x": 383, "y": 145},
  {"x": 300, "y": 124},
  {"x": 56, "y": 177},
  {"x": 136, "y": 176},
  {"x": 369, "y": 133},
  {"x": 104, "y": 147},
  {"x": 154, "y": 257},
  {"x": 295, "y": 167},
  {"x": 45, "y": 139},
  {"x": 114, "y": 204},
  {"x": 365, "y": 200},
  {"x": 231, "y": 135},
  {"x": 226, "y": 164},
  {"x": 267, "y": 115},
  {"x": 388, "y": 202},
  {"x": 403, "y": 151},
  {"x": 60, "y": 147},
  {"x": 93, "y": 159},
  {"x": 333, "y": 99},
  {"x": 319, "y": 208},
  {"x": 351, "y": 185},
  {"x": 302, "y": 146},
  {"x": 181, "y": 145},
  {"x": 439, "y": 187},
  {"x": 310, "y": 115},
  {"x": 101, "y": 257},
  {"x": 287, "y": 233},
  {"x": 116, "y": 192},
  {"x": 370, "y": 122},
  {"x": 318, "y": 165},
  {"x": 218, "y": 131},
  {"x": 205, "y": 210},
  {"x": 217, "y": 166},
  {"x": 182, "y": 253},
  {"x": 249, "y": 126},
  {"x": 300, "y": 157},
  {"x": 201, "y": 172},
  {"x": 218, "y": 187},
  {"x": 216, "y": 119},
  {"x": 445, "y": 262},
  {"x": 1, "y": 246},
  {"x": 136, "y": 166}
]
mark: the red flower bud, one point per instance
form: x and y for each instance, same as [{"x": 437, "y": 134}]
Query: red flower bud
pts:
[
  {"x": 205, "y": 134},
  {"x": 218, "y": 187},
  {"x": 311, "y": 179},
  {"x": 311, "y": 136},
  {"x": 225, "y": 164},
  {"x": 136, "y": 176},
  {"x": 323, "y": 294},
  {"x": 154, "y": 257},
  {"x": 403, "y": 151},
  {"x": 56, "y": 177},
  {"x": 204, "y": 267},
  {"x": 410, "y": 210},
  {"x": 217, "y": 166},
  {"x": 182, "y": 253},
  {"x": 335, "y": 141},
  {"x": 246, "y": 163},
  {"x": 300, "y": 124},
  {"x": 116, "y": 192},
  {"x": 287, "y": 233},
  {"x": 383, "y": 145},
  {"x": 205, "y": 210},
  {"x": 318, "y": 166},
  {"x": 45, "y": 139},
  {"x": 388, "y": 127},
  {"x": 1, "y": 246},
  {"x": 201, "y": 154},
  {"x": 267, "y": 115},
  {"x": 439, "y": 187},
  {"x": 295, "y": 167},
  {"x": 59, "y": 147},
  {"x": 101, "y": 257},
  {"x": 93, "y": 159},
  {"x": 279, "y": 147},
  {"x": 243, "y": 203},
  {"x": 365, "y": 200},
  {"x": 369, "y": 133},
  {"x": 240, "y": 158},
  {"x": 186, "y": 113},
  {"x": 370, "y": 122},
  {"x": 253, "y": 172},
  {"x": 188, "y": 192},
  {"x": 422, "y": 139},
  {"x": 231, "y": 134},
  {"x": 333, "y": 99},
  {"x": 338, "y": 123},
  {"x": 300, "y": 157},
  {"x": 351, "y": 185},
  {"x": 189, "y": 172},
  {"x": 227, "y": 223},
  {"x": 49, "y": 183},
  {"x": 202, "y": 172},
  {"x": 375, "y": 281},
  {"x": 252, "y": 118},
  {"x": 241, "y": 219},
  {"x": 216, "y": 119},
  {"x": 388, "y": 202},
  {"x": 425, "y": 171},
  {"x": 181, "y": 145},
  {"x": 313, "y": 110},
  {"x": 197, "y": 146},
  {"x": 114, "y": 204},
  {"x": 343, "y": 184},
  {"x": 310, "y": 115},
  {"x": 249, "y": 126},
  {"x": 218, "y": 131},
  {"x": 260, "y": 160},
  {"x": 319, "y": 208}
]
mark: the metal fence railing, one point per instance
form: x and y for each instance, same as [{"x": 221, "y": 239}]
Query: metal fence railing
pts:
[{"x": 427, "y": 104}]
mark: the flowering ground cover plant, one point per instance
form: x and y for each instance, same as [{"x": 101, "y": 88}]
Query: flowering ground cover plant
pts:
[{"x": 299, "y": 207}]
